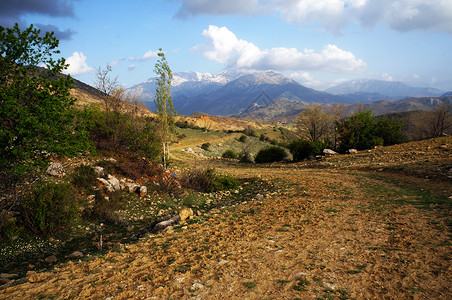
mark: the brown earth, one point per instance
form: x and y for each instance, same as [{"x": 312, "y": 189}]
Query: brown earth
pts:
[{"x": 373, "y": 225}]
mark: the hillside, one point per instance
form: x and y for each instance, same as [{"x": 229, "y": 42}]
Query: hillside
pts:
[{"x": 375, "y": 224}]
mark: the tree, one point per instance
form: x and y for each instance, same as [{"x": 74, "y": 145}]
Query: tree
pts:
[
  {"x": 37, "y": 118},
  {"x": 358, "y": 131},
  {"x": 314, "y": 123},
  {"x": 164, "y": 107},
  {"x": 36, "y": 115},
  {"x": 438, "y": 121}
]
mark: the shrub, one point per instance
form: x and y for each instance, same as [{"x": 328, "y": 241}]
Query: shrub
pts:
[
  {"x": 249, "y": 131},
  {"x": 229, "y": 154},
  {"x": 242, "y": 138},
  {"x": 270, "y": 154},
  {"x": 50, "y": 209},
  {"x": 208, "y": 180},
  {"x": 84, "y": 177},
  {"x": 205, "y": 146},
  {"x": 8, "y": 226},
  {"x": 303, "y": 149},
  {"x": 105, "y": 206},
  {"x": 246, "y": 156}
]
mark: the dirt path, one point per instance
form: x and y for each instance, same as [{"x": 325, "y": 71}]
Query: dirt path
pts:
[{"x": 326, "y": 234}]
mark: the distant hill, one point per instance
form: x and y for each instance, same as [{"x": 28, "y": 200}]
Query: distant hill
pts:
[{"x": 388, "y": 89}]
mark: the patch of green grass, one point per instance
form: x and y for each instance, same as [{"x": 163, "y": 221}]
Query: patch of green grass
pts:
[
  {"x": 283, "y": 281},
  {"x": 249, "y": 284}
]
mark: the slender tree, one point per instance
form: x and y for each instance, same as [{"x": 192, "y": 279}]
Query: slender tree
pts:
[
  {"x": 164, "y": 107},
  {"x": 314, "y": 123}
]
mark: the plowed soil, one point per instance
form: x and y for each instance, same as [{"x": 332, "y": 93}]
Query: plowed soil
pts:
[{"x": 374, "y": 225}]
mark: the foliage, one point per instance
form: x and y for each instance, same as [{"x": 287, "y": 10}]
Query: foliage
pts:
[
  {"x": 164, "y": 107},
  {"x": 132, "y": 134},
  {"x": 363, "y": 131},
  {"x": 249, "y": 131},
  {"x": 35, "y": 103},
  {"x": 270, "y": 154},
  {"x": 205, "y": 146},
  {"x": 84, "y": 177},
  {"x": 303, "y": 149},
  {"x": 104, "y": 207},
  {"x": 50, "y": 208},
  {"x": 438, "y": 122},
  {"x": 242, "y": 138},
  {"x": 229, "y": 154},
  {"x": 208, "y": 180}
]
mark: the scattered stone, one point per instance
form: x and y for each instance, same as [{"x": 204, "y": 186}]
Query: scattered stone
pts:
[
  {"x": 56, "y": 169},
  {"x": 51, "y": 259},
  {"x": 197, "y": 286},
  {"x": 99, "y": 170},
  {"x": 162, "y": 225},
  {"x": 329, "y": 152},
  {"x": 143, "y": 190},
  {"x": 259, "y": 196},
  {"x": 185, "y": 214},
  {"x": 114, "y": 182},
  {"x": 76, "y": 254},
  {"x": 352, "y": 151},
  {"x": 105, "y": 184},
  {"x": 132, "y": 187}
]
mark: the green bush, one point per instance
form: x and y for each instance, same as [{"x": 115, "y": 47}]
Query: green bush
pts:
[
  {"x": 302, "y": 149},
  {"x": 84, "y": 177},
  {"x": 270, "y": 154},
  {"x": 50, "y": 209},
  {"x": 205, "y": 146},
  {"x": 105, "y": 206},
  {"x": 242, "y": 138},
  {"x": 229, "y": 154},
  {"x": 208, "y": 180}
]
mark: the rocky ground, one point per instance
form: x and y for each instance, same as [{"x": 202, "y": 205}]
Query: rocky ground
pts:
[{"x": 376, "y": 224}]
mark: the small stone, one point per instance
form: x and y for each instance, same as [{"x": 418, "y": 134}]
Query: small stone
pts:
[
  {"x": 259, "y": 196},
  {"x": 143, "y": 190},
  {"x": 197, "y": 286},
  {"x": 114, "y": 182},
  {"x": 329, "y": 152},
  {"x": 352, "y": 151},
  {"x": 76, "y": 254},
  {"x": 51, "y": 259},
  {"x": 99, "y": 170}
]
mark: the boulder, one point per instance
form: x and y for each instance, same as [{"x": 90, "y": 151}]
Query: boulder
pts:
[
  {"x": 143, "y": 190},
  {"x": 329, "y": 152},
  {"x": 56, "y": 169},
  {"x": 76, "y": 254},
  {"x": 185, "y": 213},
  {"x": 99, "y": 170},
  {"x": 162, "y": 225},
  {"x": 114, "y": 182},
  {"x": 105, "y": 184},
  {"x": 132, "y": 187},
  {"x": 352, "y": 151}
]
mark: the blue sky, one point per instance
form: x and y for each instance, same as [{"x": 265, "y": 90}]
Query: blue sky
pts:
[{"x": 318, "y": 43}]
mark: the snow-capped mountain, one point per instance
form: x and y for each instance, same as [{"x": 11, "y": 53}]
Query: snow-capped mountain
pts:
[{"x": 390, "y": 89}]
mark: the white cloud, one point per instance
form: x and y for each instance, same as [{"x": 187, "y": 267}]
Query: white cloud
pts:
[
  {"x": 224, "y": 47},
  {"x": 387, "y": 77},
  {"x": 118, "y": 61},
  {"x": 131, "y": 67},
  {"x": 77, "y": 64},
  {"x": 149, "y": 55},
  {"x": 400, "y": 15},
  {"x": 307, "y": 80}
]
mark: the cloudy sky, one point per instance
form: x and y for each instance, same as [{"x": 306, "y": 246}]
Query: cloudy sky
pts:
[{"x": 318, "y": 43}]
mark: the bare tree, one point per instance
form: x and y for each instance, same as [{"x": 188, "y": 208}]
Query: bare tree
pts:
[
  {"x": 438, "y": 122},
  {"x": 314, "y": 123}
]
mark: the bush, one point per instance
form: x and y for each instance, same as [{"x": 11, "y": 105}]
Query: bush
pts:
[
  {"x": 246, "y": 156},
  {"x": 50, "y": 209},
  {"x": 303, "y": 149},
  {"x": 229, "y": 154},
  {"x": 105, "y": 206},
  {"x": 271, "y": 154},
  {"x": 208, "y": 180},
  {"x": 205, "y": 146},
  {"x": 84, "y": 177},
  {"x": 242, "y": 138}
]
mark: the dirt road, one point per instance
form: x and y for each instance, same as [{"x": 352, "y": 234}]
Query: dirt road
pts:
[{"x": 324, "y": 233}]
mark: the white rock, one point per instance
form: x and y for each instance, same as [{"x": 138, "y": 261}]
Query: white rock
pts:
[
  {"x": 114, "y": 182},
  {"x": 56, "y": 169},
  {"x": 143, "y": 190},
  {"x": 329, "y": 152},
  {"x": 99, "y": 170}
]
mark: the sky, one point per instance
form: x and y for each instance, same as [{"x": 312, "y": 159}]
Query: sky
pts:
[{"x": 318, "y": 43}]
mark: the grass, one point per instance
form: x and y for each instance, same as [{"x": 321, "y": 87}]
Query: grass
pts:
[{"x": 249, "y": 285}]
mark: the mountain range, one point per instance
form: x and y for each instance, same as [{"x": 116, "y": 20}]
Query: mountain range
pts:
[{"x": 234, "y": 93}]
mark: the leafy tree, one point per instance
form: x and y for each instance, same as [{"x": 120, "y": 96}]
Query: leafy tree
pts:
[
  {"x": 302, "y": 149},
  {"x": 358, "y": 131},
  {"x": 164, "y": 107},
  {"x": 270, "y": 154},
  {"x": 390, "y": 130},
  {"x": 36, "y": 112}
]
